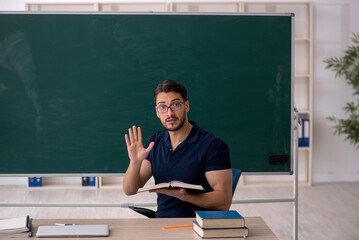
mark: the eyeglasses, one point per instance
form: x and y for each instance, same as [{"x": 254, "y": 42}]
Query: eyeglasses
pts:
[{"x": 163, "y": 108}]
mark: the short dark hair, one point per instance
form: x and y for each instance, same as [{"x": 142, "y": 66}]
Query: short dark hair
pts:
[{"x": 170, "y": 86}]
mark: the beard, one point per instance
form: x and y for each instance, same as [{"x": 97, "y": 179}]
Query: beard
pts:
[{"x": 179, "y": 126}]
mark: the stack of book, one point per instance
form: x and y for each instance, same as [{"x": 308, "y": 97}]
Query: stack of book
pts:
[
  {"x": 220, "y": 224},
  {"x": 16, "y": 227}
]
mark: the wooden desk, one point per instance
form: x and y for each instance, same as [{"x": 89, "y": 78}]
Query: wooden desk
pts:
[{"x": 151, "y": 229}]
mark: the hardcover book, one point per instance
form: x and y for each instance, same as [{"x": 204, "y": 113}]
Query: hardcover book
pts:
[
  {"x": 219, "y": 219},
  {"x": 220, "y": 232}
]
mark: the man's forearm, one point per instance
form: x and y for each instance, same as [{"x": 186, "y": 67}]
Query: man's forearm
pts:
[
  {"x": 217, "y": 200},
  {"x": 131, "y": 180}
]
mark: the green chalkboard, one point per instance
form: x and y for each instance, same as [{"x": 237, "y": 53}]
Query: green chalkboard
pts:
[{"x": 72, "y": 84}]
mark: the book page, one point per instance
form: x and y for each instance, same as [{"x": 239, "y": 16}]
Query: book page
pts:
[
  {"x": 173, "y": 184},
  {"x": 180, "y": 184},
  {"x": 157, "y": 186}
]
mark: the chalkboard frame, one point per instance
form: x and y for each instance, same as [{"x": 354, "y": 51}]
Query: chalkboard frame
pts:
[{"x": 191, "y": 14}]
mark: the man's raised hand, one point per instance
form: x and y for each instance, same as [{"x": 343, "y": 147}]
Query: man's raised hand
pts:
[{"x": 136, "y": 151}]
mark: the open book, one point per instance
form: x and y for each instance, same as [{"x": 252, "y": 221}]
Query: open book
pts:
[{"x": 172, "y": 184}]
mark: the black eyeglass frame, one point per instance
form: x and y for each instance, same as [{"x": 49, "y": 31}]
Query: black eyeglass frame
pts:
[{"x": 170, "y": 106}]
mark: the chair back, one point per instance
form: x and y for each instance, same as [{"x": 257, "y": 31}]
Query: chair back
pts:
[{"x": 236, "y": 173}]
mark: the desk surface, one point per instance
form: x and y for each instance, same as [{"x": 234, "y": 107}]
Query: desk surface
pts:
[{"x": 151, "y": 229}]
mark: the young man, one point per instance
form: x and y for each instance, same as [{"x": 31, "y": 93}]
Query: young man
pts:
[{"x": 182, "y": 151}]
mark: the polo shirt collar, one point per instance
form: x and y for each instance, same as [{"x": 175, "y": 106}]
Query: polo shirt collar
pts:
[
  {"x": 191, "y": 138},
  {"x": 194, "y": 134}
]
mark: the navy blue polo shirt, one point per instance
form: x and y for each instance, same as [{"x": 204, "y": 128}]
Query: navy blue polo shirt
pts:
[{"x": 200, "y": 152}]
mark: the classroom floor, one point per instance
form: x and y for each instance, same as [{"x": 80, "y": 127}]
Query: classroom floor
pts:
[{"x": 326, "y": 211}]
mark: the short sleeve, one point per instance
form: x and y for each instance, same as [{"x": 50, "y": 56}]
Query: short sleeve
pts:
[{"x": 218, "y": 156}]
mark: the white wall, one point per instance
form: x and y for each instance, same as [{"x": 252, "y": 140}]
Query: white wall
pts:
[
  {"x": 334, "y": 21},
  {"x": 333, "y": 159}
]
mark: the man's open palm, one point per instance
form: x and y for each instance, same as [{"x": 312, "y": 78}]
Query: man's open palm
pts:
[{"x": 136, "y": 151}]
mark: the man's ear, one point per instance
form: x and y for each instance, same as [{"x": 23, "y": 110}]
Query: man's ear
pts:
[{"x": 187, "y": 106}]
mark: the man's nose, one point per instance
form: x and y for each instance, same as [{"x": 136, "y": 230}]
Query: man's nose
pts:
[{"x": 169, "y": 111}]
